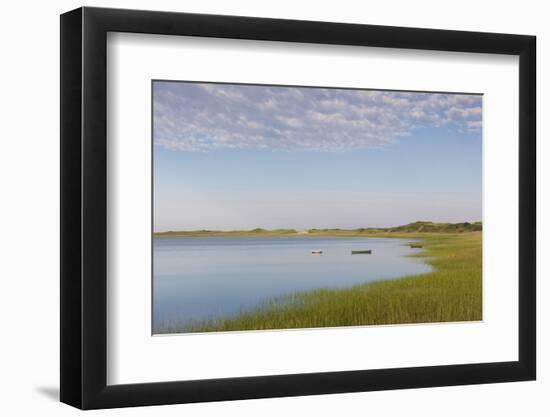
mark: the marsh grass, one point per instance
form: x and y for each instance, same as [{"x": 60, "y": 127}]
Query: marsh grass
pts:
[{"x": 452, "y": 292}]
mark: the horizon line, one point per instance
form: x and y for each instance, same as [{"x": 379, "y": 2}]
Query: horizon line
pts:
[{"x": 315, "y": 228}]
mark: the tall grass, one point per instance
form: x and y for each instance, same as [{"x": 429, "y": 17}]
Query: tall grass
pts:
[{"x": 452, "y": 292}]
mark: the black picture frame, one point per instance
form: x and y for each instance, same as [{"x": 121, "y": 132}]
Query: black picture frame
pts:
[{"x": 84, "y": 207}]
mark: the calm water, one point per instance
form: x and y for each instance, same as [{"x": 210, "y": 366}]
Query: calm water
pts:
[{"x": 206, "y": 277}]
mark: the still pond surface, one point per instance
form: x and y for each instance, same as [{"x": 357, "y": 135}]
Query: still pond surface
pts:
[{"x": 198, "y": 278}]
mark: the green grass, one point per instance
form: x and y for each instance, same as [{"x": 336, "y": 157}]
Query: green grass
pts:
[
  {"x": 416, "y": 227},
  {"x": 452, "y": 292}
]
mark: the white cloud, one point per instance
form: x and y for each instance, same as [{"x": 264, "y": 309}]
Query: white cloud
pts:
[
  {"x": 456, "y": 113},
  {"x": 474, "y": 124},
  {"x": 201, "y": 117}
]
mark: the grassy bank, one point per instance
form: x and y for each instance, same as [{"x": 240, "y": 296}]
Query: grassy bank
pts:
[
  {"x": 452, "y": 292},
  {"x": 416, "y": 227}
]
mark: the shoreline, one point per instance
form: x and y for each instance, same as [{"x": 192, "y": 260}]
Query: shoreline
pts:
[
  {"x": 423, "y": 228},
  {"x": 451, "y": 292}
]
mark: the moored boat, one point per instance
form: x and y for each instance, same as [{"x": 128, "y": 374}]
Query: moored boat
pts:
[{"x": 363, "y": 251}]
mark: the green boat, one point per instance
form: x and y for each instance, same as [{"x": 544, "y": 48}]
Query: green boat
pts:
[
  {"x": 359, "y": 252},
  {"x": 415, "y": 246}
]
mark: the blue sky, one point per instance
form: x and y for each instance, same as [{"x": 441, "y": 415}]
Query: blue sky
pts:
[{"x": 241, "y": 156}]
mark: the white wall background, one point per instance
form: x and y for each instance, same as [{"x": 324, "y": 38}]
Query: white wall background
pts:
[{"x": 29, "y": 177}]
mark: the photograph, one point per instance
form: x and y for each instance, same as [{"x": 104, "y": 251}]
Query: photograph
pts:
[
  {"x": 297, "y": 207},
  {"x": 272, "y": 204}
]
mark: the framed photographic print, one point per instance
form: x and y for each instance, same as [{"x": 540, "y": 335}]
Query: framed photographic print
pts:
[{"x": 258, "y": 207}]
